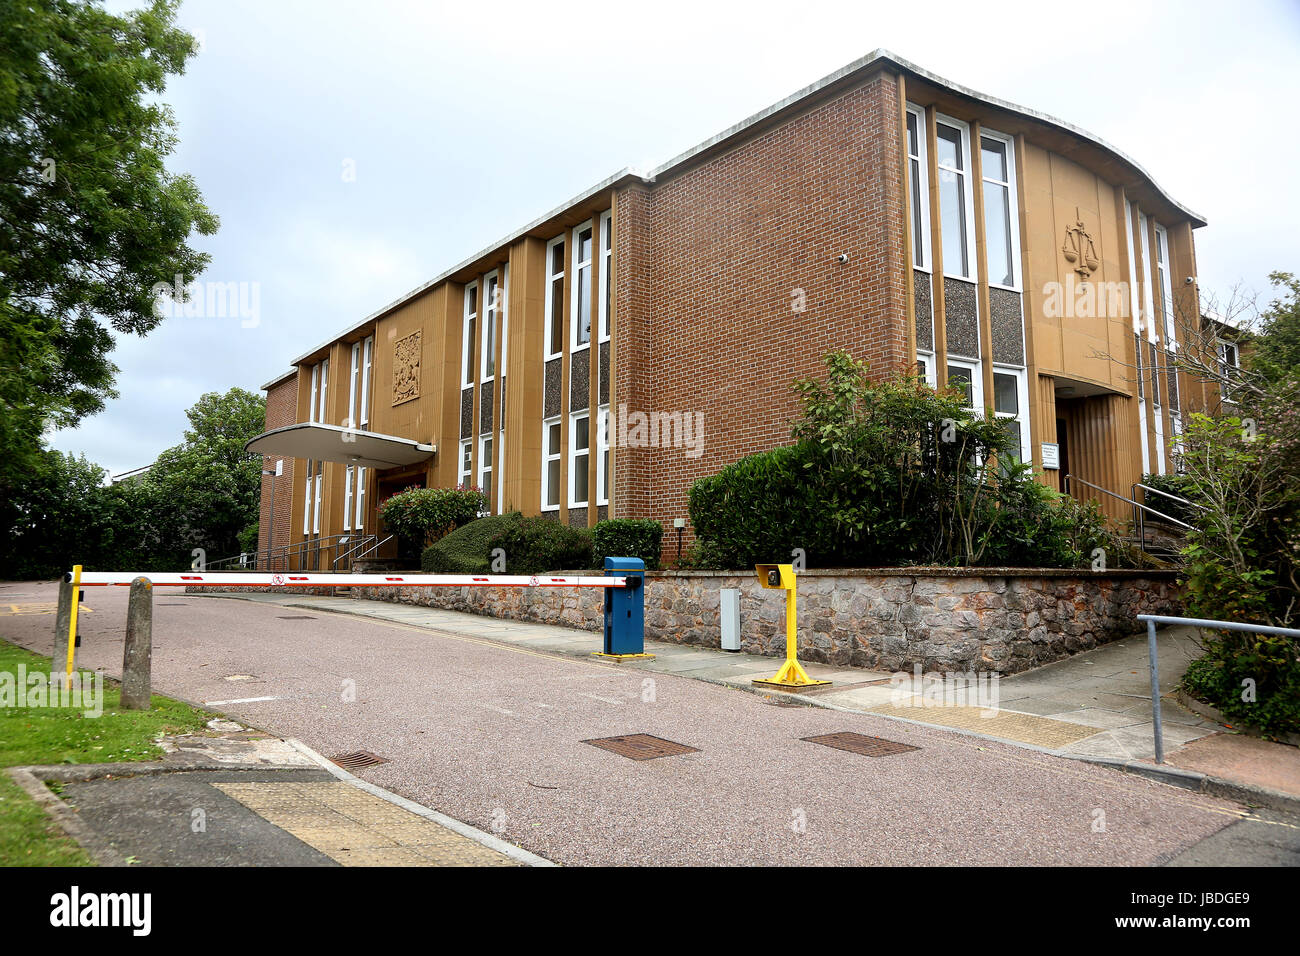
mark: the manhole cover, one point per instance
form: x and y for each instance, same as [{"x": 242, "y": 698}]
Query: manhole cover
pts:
[
  {"x": 641, "y": 746},
  {"x": 861, "y": 744},
  {"x": 295, "y": 617},
  {"x": 358, "y": 759}
]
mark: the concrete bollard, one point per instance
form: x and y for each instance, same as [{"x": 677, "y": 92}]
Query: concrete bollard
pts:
[
  {"x": 138, "y": 652},
  {"x": 62, "y": 618}
]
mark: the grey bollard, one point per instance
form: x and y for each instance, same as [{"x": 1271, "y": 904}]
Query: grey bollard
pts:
[
  {"x": 138, "y": 652},
  {"x": 62, "y": 618}
]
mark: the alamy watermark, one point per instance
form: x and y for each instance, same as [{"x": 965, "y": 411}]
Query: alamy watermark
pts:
[
  {"x": 202, "y": 299},
  {"x": 80, "y": 691}
]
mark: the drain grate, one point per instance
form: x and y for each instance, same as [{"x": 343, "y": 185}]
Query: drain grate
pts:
[
  {"x": 295, "y": 617},
  {"x": 861, "y": 744},
  {"x": 358, "y": 759},
  {"x": 641, "y": 746}
]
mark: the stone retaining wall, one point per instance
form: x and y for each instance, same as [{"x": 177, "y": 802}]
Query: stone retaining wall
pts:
[{"x": 944, "y": 619}]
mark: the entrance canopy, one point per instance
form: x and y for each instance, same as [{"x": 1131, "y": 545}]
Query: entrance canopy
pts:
[{"x": 336, "y": 443}]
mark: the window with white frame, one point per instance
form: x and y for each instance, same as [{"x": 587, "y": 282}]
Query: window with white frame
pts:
[
  {"x": 359, "y": 499},
  {"x": 307, "y": 499},
  {"x": 466, "y": 463},
  {"x": 320, "y": 374},
  {"x": 368, "y": 361},
  {"x": 579, "y": 453},
  {"x": 602, "y": 449},
  {"x": 348, "y": 478},
  {"x": 1010, "y": 404},
  {"x": 354, "y": 383},
  {"x": 1148, "y": 299},
  {"x": 967, "y": 379},
  {"x": 485, "y": 468},
  {"x": 1166, "y": 289},
  {"x": 552, "y": 452},
  {"x": 503, "y": 306},
  {"x": 997, "y": 166},
  {"x": 925, "y": 368},
  {"x": 469, "y": 328},
  {"x": 606, "y": 271},
  {"x": 317, "y": 494},
  {"x": 1229, "y": 364},
  {"x": 918, "y": 174},
  {"x": 956, "y": 205},
  {"x": 555, "y": 297},
  {"x": 491, "y": 303},
  {"x": 580, "y": 308}
]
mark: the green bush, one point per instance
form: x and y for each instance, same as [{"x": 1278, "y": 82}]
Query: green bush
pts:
[
  {"x": 420, "y": 516},
  {"x": 536, "y": 545},
  {"x": 627, "y": 538},
  {"x": 468, "y": 549},
  {"x": 890, "y": 473},
  {"x": 1220, "y": 677}
]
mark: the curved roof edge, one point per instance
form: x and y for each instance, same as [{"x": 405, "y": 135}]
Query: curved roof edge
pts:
[{"x": 877, "y": 57}]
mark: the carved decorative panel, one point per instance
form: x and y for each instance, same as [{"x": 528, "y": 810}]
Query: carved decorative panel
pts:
[{"x": 406, "y": 368}]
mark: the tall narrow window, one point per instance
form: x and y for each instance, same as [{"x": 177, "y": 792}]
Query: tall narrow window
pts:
[
  {"x": 348, "y": 478},
  {"x": 954, "y": 198},
  {"x": 354, "y": 382},
  {"x": 918, "y": 183},
  {"x": 316, "y": 499},
  {"x": 580, "y": 311},
  {"x": 358, "y": 519},
  {"x": 579, "y": 452},
  {"x": 551, "y": 454},
  {"x": 555, "y": 297},
  {"x": 491, "y": 295},
  {"x": 485, "y": 469},
  {"x": 602, "y": 463},
  {"x": 307, "y": 499},
  {"x": 322, "y": 412},
  {"x": 606, "y": 272},
  {"x": 466, "y": 463},
  {"x": 312, "y": 402},
  {"x": 999, "y": 207},
  {"x": 469, "y": 329},
  {"x": 1166, "y": 289},
  {"x": 1010, "y": 398},
  {"x": 368, "y": 357}
]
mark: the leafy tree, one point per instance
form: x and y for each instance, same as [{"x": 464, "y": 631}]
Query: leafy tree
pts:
[
  {"x": 59, "y": 515},
  {"x": 208, "y": 487},
  {"x": 90, "y": 219}
]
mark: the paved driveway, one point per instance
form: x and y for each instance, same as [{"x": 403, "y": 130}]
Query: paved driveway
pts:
[{"x": 493, "y": 735}]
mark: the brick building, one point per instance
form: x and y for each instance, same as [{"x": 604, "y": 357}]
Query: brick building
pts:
[{"x": 598, "y": 360}]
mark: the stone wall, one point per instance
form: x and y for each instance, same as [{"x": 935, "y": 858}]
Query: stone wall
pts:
[{"x": 886, "y": 619}]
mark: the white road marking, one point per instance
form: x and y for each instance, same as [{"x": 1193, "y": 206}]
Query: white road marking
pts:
[
  {"x": 603, "y": 700},
  {"x": 241, "y": 700}
]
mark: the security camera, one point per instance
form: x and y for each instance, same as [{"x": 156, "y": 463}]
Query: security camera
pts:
[
  {"x": 842, "y": 258},
  {"x": 774, "y": 579},
  {"x": 1188, "y": 281}
]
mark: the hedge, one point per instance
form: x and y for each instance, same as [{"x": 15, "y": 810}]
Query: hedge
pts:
[
  {"x": 467, "y": 550},
  {"x": 627, "y": 538}
]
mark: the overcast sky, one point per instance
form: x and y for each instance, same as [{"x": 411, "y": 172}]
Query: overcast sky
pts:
[{"x": 464, "y": 121}]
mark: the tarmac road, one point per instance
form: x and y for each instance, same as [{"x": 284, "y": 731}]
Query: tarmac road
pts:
[{"x": 493, "y": 735}]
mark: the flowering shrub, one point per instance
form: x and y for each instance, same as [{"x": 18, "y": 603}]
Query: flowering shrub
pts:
[{"x": 420, "y": 516}]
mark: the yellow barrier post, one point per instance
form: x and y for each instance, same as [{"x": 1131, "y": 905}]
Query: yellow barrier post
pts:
[
  {"x": 72, "y": 625},
  {"x": 791, "y": 675}
]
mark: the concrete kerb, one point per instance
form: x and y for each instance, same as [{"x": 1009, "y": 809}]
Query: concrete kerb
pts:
[
  {"x": 495, "y": 843},
  {"x": 1203, "y": 783}
]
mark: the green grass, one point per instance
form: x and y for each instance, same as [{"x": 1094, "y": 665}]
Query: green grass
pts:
[{"x": 54, "y": 735}]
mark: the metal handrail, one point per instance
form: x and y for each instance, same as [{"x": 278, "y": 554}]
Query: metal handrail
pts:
[
  {"x": 361, "y": 541},
  {"x": 1151, "y": 621},
  {"x": 375, "y": 547},
  {"x": 1140, "y": 519},
  {"x": 284, "y": 551},
  {"x": 1119, "y": 497}
]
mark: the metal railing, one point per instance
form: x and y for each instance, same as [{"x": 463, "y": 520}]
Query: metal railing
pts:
[
  {"x": 1139, "y": 515},
  {"x": 309, "y": 555},
  {"x": 1151, "y": 621}
]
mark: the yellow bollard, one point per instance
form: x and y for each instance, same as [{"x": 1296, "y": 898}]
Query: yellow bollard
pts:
[
  {"x": 72, "y": 625},
  {"x": 791, "y": 675}
]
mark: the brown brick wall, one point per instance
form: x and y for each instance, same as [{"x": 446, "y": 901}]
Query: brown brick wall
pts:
[
  {"x": 706, "y": 267},
  {"x": 281, "y": 409}
]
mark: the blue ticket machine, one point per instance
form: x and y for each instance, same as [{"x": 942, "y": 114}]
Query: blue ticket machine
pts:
[{"x": 625, "y": 609}]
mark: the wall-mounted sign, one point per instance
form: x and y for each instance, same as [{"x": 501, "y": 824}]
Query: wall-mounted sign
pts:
[{"x": 1051, "y": 456}]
